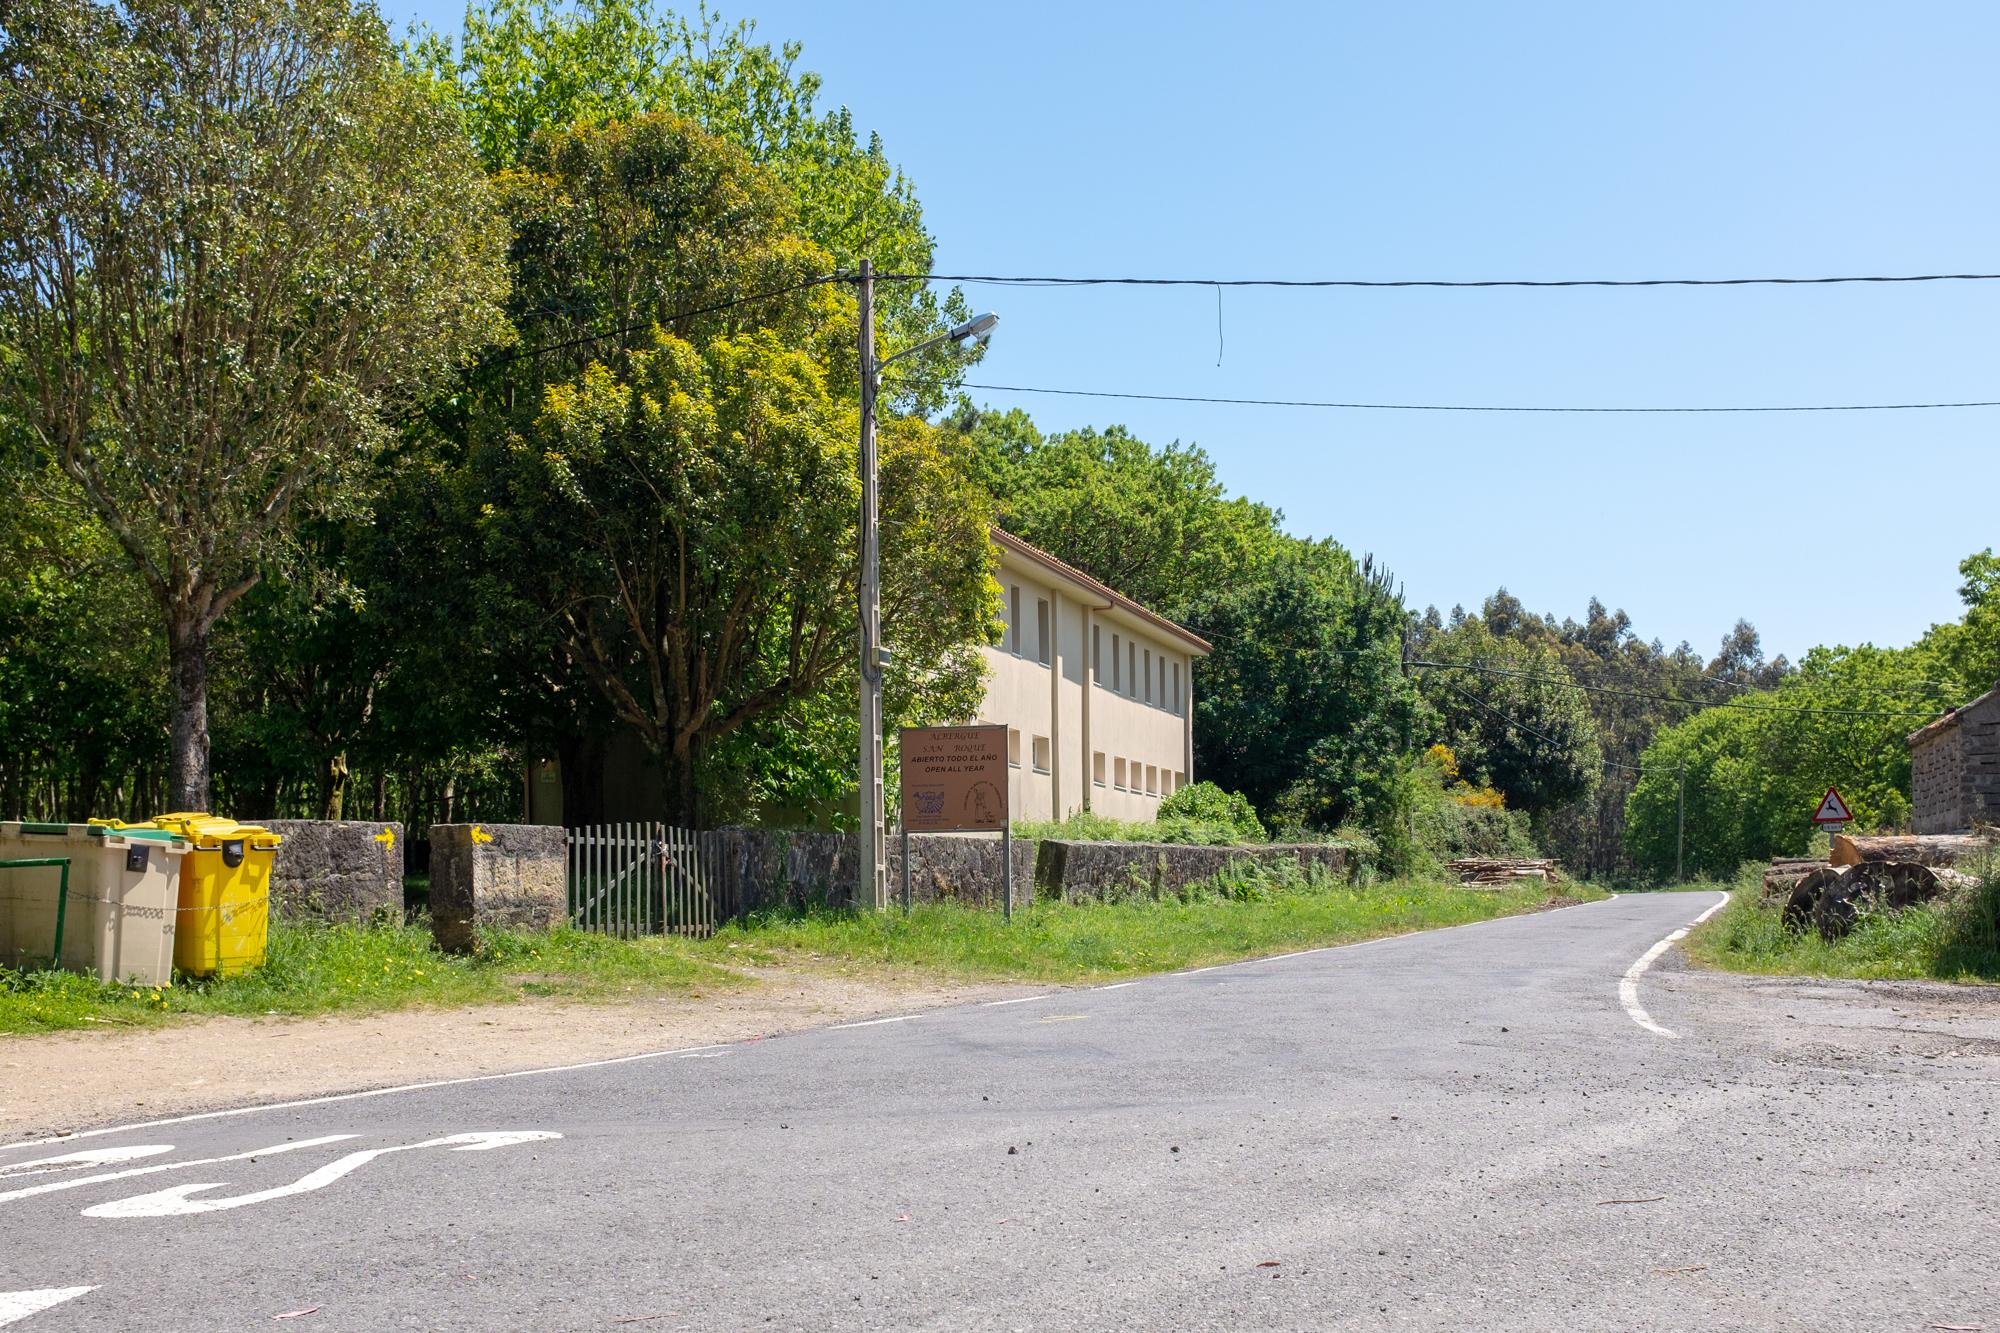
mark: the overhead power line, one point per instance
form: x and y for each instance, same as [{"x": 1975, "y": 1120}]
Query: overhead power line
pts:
[
  {"x": 1566, "y": 682},
  {"x": 1463, "y": 407},
  {"x": 1007, "y": 280},
  {"x": 1521, "y": 726}
]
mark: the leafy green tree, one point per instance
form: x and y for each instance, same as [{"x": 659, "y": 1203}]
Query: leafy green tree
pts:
[
  {"x": 1968, "y": 650},
  {"x": 80, "y": 664},
  {"x": 1303, "y": 706},
  {"x": 1156, "y": 524},
  {"x": 522, "y": 67},
  {"x": 230, "y": 238},
  {"x": 1757, "y": 764},
  {"x": 690, "y": 531},
  {"x": 1510, "y": 710}
]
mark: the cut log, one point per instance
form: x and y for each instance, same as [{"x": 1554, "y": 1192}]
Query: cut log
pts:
[
  {"x": 1784, "y": 873},
  {"x": 1930, "y": 849},
  {"x": 1830, "y": 898}
]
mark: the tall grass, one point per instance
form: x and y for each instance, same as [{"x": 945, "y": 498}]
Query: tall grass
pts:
[{"x": 1955, "y": 937}]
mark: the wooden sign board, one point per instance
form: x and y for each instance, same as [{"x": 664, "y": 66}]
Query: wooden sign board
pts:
[{"x": 955, "y": 779}]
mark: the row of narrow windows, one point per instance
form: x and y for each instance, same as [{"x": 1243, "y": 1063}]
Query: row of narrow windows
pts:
[
  {"x": 1122, "y": 774},
  {"x": 1135, "y": 672}
]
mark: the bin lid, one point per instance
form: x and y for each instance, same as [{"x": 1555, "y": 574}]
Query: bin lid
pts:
[
  {"x": 116, "y": 828},
  {"x": 205, "y": 830}
]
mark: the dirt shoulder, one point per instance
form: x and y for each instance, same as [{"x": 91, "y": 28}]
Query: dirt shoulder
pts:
[{"x": 70, "y": 1081}]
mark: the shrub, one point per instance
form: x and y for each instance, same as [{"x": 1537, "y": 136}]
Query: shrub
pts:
[{"x": 1206, "y": 803}]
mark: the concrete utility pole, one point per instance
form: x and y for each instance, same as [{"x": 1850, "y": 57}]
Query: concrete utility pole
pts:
[
  {"x": 1680, "y": 825},
  {"x": 872, "y": 888}
]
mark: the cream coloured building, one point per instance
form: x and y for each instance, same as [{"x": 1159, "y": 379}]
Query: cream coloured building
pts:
[{"x": 1096, "y": 692}]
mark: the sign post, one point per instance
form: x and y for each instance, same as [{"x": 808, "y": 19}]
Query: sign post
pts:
[
  {"x": 954, "y": 780},
  {"x": 1833, "y": 814}
]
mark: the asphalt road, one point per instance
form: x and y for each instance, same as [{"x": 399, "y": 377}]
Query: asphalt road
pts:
[{"x": 1464, "y": 1129}]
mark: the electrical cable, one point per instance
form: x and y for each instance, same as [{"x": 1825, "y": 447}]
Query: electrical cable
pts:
[
  {"x": 1002, "y": 280},
  {"x": 1522, "y": 726},
  {"x": 1663, "y": 698},
  {"x": 1465, "y": 407}
]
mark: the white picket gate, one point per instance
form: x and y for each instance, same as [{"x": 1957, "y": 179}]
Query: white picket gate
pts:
[{"x": 641, "y": 879}]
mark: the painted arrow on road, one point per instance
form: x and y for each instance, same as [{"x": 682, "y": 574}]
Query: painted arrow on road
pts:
[
  {"x": 175, "y": 1202},
  {"x": 18, "y": 1305}
]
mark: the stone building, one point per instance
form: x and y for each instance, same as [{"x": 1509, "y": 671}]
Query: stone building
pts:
[{"x": 1955, "y": 768}]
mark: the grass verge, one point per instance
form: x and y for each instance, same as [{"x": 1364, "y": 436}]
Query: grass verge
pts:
[
  {"x": 1954, "y": 938},
  {"x": 1083, "y": 942},
  {"x": 317, "y": 969}
]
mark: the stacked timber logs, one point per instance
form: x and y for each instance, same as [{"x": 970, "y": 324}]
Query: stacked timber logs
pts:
[
  {"x": 1930, "y": 849},
  {"x": 1491, "y": 872},
  {"x": 1831, "y": 897},
  {"x": 1784, "y": 874}
]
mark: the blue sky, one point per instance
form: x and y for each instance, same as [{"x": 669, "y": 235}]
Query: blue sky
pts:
[{"x": 1481, "y": 141}]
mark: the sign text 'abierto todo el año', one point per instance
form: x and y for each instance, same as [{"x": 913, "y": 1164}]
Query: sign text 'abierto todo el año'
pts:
[{"x": 954, "y": 779}]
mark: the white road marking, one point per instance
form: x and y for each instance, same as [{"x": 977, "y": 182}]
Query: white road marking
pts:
[
  {"x": 1116, "y": 985},
  {"x": 78, "y": 1182},
  {"x": 326, "y": 1099},
  {"x": 1628, "y": 988},
  {"x": 1019, "y": 999},
  {"x": 71, "y": 1161},
  {"x": 874, "y": 1022},
  {"x": 174, "y": 1201},
  {"x": 18, "y": 1305}
]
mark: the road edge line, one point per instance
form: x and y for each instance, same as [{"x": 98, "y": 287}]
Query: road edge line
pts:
[{"x": 1628, "y": 985}]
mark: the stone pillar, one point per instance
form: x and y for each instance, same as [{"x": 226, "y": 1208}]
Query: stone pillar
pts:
[
  {"x": 510, "y": 875},
  {"x": 351, "y": 871}
]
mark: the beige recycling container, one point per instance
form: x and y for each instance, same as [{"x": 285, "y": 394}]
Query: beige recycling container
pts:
[{"x": 119, "y": 917}]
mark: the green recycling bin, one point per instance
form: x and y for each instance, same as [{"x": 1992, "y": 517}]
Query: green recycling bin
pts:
[{"x": 122, "y": 907}]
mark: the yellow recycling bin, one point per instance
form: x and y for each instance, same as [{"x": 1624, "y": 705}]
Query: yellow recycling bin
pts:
[{"x": 225, "y": 899}]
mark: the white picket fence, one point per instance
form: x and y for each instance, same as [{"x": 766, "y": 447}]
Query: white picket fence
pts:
[{"x": 641, "y": 879}]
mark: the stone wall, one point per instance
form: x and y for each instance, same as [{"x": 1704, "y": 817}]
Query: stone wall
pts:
[
  {"x": 1937, "y": 771},
  {"x": 349, "y": 871},
  {"x": 1118, "y": 870},
  {"x": 496, "y": 875},
  {"x": 756, "y": 869},
  {"x": 1955, "y": 769}
]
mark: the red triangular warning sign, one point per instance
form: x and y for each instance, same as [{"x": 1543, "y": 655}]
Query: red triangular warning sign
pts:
[{"x": 1832, "y": 810}]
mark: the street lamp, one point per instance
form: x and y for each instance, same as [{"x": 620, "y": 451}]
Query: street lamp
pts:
[{"x": 872, "y": 888}]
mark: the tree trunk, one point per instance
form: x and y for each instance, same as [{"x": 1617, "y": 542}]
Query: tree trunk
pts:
[
  {"x": 678, "y": 768},
  {"x": 187, "y": 711},
  {"x": 381, "y": 795}
]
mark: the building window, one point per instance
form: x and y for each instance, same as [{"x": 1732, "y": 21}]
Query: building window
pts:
[
  {"x": 1131, "y": 670},
  {"x": 1116, "y": 675},
  {"x": 1042, "y": 638},
  {"x": 1097, "y": 768},
  {"x": 1097, "y": 653},
  {"x": 1014, "y": 619},
  {"x": 1177, "y": 688},
  {"x": 1180, "y": 780},
  {"x": 1166, "y": 783},
  {"x": 1118, "y": 774},
  {"x": 1013, "y": 747},
  {"x": 1152, "y": 780},
  {"x": 1041, "y": 754},
  {"x": 1149, "y": 675}
]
